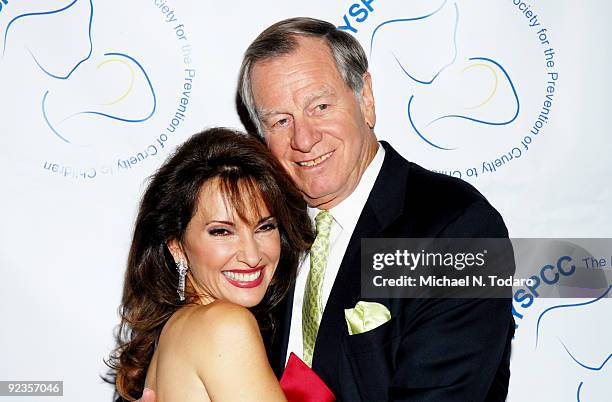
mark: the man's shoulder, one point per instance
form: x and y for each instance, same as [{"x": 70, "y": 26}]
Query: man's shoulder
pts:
[
  {"x": 436, "y": 186},
  {"x": 426, "y": 185},
  {"x": 430, "y": 201}
]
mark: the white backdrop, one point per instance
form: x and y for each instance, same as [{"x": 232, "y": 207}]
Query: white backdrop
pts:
[{"x": 95, "y": 94}]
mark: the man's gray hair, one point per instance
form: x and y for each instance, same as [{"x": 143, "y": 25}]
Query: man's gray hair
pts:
[{"x": 281, "y": 39}]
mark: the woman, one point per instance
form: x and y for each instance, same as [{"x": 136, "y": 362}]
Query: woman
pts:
[{"x": 220, "y": 229}]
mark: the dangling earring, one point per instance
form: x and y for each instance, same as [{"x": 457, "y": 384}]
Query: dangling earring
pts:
[{"x": 182, "y": 269}]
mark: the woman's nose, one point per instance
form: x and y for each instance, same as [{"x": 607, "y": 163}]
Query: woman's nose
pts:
[{"x": 249, "y": 252}]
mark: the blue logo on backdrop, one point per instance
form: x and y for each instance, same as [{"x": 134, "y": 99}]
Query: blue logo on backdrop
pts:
[
  {"x": 569, "y": 270},
  {"x": 98, "y": 102},
  {"x": 589, "y": 372},
  {"x": 459, "y": 89},
  {"x": 3, "y": 3}
]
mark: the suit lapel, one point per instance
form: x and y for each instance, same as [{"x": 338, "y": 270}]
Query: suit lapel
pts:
[{"x": 385, "y": 204}]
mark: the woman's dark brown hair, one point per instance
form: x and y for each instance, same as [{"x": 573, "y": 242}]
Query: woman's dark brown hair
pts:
[{"x": 237, "y": 162}]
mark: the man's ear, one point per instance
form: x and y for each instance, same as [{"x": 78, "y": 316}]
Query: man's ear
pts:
[
  {"x": 367, "y": 101},
  {"x": 174, "y": 246}
]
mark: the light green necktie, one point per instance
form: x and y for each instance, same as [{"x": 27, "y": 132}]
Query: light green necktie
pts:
[{"x": 312, "y": 309}]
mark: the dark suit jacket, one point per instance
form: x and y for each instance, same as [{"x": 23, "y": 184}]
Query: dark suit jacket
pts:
[{"x": 431, "y": 349}]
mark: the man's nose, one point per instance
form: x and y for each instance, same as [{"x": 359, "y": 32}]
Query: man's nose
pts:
[
  {"x": 249, "y": 252},
  {"x": 305, "y": 136}
]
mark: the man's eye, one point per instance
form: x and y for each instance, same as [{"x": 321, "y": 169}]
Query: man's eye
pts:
[
  {"x": 322, "y": 107},
  {"x": 219, "y": 232},
  {"x": 281, "y": 123}
]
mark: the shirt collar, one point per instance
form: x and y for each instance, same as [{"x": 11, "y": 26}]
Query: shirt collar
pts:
[{"x": 347, "y": 212}]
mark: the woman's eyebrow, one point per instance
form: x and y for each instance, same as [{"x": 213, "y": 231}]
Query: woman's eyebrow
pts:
[
  {"x": 267, "y": 218},
  {"x": 223, "y": 222}
]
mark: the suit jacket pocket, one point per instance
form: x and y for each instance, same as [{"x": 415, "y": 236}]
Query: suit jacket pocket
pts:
[
  {"x": 368, "y": 361},
  {"x": 371, "y": 340}
]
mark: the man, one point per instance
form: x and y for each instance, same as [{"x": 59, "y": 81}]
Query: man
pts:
[{"x": 307, "y": 90}]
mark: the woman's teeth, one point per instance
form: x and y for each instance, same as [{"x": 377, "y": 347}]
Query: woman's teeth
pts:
[{"x": 242, "y": 277}]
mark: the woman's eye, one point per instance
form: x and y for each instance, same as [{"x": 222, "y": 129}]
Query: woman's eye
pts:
[
  {"x": 219, "y": 232},
  {"x": 322, "y": 107},
  {"x": 267, "y": 227}
]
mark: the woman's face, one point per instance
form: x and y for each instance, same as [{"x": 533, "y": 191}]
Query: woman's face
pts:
[{"x": 229, "y": 258}]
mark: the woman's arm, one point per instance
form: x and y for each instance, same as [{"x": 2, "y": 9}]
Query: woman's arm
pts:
[{"x": 217, "y": 347}]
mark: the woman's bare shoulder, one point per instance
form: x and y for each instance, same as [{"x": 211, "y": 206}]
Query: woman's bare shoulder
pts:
[
  {"x": 207, "y": 328},
  {"x": 218, "y": 343},
  {"x": 222, "y": 312}
]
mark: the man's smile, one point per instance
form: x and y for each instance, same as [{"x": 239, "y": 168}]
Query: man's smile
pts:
[{"x": 316, "y": 161}]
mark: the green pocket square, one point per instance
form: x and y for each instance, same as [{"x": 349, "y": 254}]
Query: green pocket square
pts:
[{"x": 365, "y": 316}]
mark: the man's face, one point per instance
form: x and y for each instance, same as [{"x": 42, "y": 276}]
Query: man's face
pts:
[{"x": 313, "y": 123}]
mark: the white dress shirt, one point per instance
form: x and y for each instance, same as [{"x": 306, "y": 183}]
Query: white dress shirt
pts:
[{"x": 345, "y": 217}]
